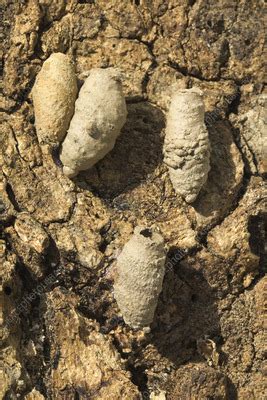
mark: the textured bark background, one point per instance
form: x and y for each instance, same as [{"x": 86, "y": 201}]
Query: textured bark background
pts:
[{"x": 62, "y": 336}]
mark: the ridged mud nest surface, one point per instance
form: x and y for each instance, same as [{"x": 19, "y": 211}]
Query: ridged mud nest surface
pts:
[{"x": 63, "y": 334}]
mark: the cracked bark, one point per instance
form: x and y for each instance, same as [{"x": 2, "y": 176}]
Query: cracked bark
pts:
[{"x": 69, "y": 340}]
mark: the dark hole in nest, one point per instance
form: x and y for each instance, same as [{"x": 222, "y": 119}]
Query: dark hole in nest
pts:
[
  {"x": 137, "y": 2},
  {"x": 146, "y": 233},
  {"x": 7, "y": 290}
]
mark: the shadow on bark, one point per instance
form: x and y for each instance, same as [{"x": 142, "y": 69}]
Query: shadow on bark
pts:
[
  {"x": 137, "y": 152},
  {"x": 222, "y": 186},
  {"x": 257, "y": 227},
  {"x": 186, "y": 313}
]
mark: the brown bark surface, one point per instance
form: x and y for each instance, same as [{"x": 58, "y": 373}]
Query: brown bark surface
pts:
[{"x": 62, "y": 334}]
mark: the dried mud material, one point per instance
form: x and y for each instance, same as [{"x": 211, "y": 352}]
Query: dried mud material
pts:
[
  {"x": 54, "y": 94},
  {"x": 186, "y": 146},
  {"x": 100, "y": 113},
  {"x": 140, "y": 273}
]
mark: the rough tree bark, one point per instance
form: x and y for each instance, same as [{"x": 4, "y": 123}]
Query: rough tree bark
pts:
[{"x": 62, "y": 333}]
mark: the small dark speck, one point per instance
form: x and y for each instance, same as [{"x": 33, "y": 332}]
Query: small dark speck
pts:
[
  {"x": 7, "y": 290},
  {"x": 94, "y": 132},
  {"x": 146, "y": 233}
]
